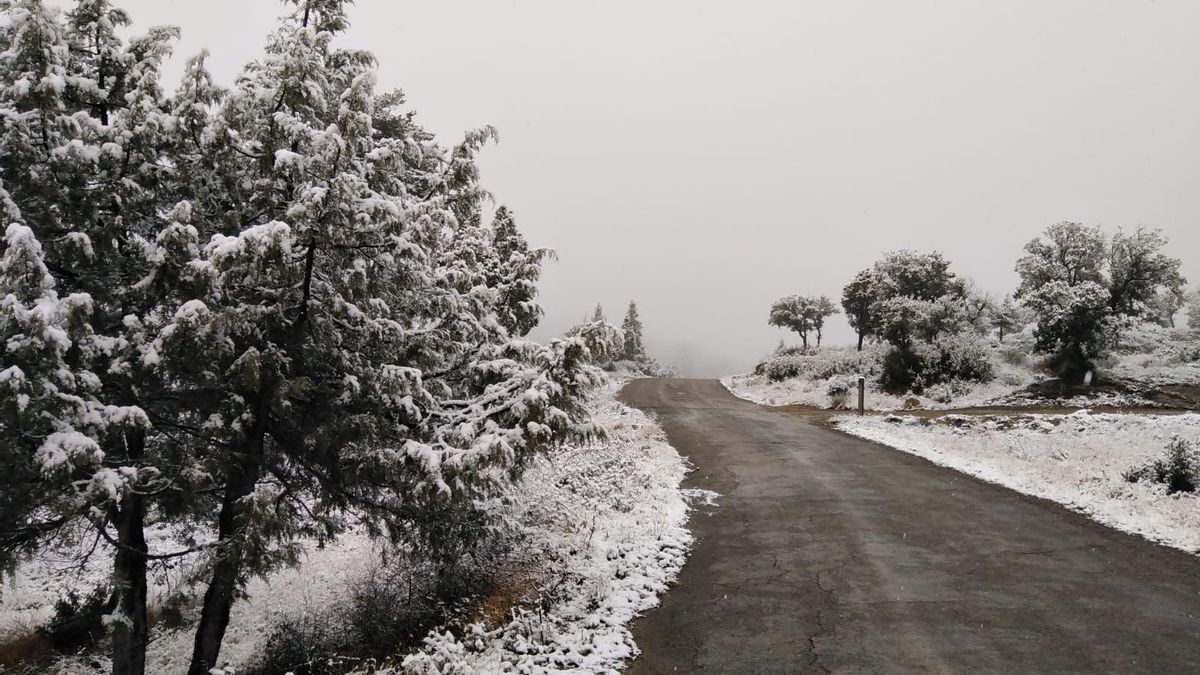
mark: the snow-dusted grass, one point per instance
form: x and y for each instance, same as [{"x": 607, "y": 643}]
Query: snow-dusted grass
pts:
[
  {"x": 608, "y": 520},
  {"x": 604, "y": 534},
  {"x": 1156, "y": 355},
  {"x": 1077, "y": 460},
  {"x": 324, "y": 576}
]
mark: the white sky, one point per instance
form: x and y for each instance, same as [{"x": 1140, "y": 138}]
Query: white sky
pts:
[{"x": 705, "y": 157}]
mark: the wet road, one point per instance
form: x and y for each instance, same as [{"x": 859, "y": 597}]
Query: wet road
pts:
[{"x": 827, "y": 553}]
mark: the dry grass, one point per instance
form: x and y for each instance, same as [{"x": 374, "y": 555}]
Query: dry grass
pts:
[{"x": 29, "y": 651}]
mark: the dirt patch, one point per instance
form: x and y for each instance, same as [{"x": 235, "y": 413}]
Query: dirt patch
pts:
[
  {"x": 822, "y": 416},
  {"x": 25, "y": 653},
  {"x": 1177, "y": 396},
  {"x": 494, "y": 609}
]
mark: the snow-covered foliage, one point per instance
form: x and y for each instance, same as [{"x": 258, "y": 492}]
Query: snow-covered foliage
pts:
[
  {"x": 634, "y": 348},
  {"x": 601, "y": 534},
  {"x": 1143, "y": 360},
  {"x": 1154, "y": 355},
  {"x": 1008, "y": 318},
  {"x": 1079, "y": 460},
  {"x": 606, "y": 525},
  {"x": 264, "y": 313},
  {"x": 930, "y": 318},
  {"x": 822, "y": 364},
  {"x": 1192, "y": 308},
  {"x": 802, "y": 314},
  {"x": 1084, "y": 290},
  {"x": 829, "y": 379}
]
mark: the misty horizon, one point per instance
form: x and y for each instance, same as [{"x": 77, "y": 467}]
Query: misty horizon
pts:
[{"x": 705, "y": 159}]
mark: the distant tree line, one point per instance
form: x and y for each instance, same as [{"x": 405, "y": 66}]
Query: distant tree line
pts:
[
  {"x": 632, "y": 352},
  {"x": 1078, "y": 286}
]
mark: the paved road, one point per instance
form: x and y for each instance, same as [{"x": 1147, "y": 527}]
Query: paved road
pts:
[{"x": 832, "y": 554}]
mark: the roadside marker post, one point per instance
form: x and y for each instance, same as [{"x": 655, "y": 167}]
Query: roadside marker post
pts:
[{"x": 862, "y": 393}]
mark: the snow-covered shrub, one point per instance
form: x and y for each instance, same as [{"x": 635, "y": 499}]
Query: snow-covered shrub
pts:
[
  {"x": 840, "y": 390},
  {"x": 823, "y": 365},
  {"x": 78, "y": 621},
  {"x": 947, "y": 392},
  {"x": 1179, "y": 469},
  {"x": 308, "y": 644},
  {"x": 1014, "y": 357},
  {"x": 901, "y": 371},
  {"x": 960, "y": 357},
  {"x": 388, "y": 611}
]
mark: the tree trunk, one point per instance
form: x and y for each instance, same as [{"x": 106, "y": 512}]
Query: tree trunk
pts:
[
  {"x": 860, "y": 341},
  {"x": 218, "y": 599},
  {"x": 130, "y": 632},
  {"x": 1074, "y": 364}
]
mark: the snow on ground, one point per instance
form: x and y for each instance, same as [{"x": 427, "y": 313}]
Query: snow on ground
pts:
[
  {"x": 818, "y": 390},
  {"x": 1147, "y": 356},
  {"x": 28, "y": 595},
  {"x": 605, "y": 524},
  {"x": 1076, "y": 460},
  {"x": 326, "y": 574},
  {"x": 1157, "y": 355},
  {"x": 800, "y": 391},
  {"x": 612, "y": 518}
]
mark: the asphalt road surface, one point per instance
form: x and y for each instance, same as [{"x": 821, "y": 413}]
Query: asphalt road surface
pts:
[{"x": 827, "y": 553}]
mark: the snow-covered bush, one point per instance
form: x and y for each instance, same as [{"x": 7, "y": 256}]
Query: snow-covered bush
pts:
[
  {"x": 824, "y": 364},
  {"x": 78, "y": 622},
  {"x": 1014, "y": 357},
  {"x": 957, "y": 357},
  {"x": 840, "y": 389},
  {"x": 1179, "y": 469}
]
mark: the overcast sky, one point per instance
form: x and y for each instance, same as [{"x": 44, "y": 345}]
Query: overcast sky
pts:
[{"x": 707, "y": 156}]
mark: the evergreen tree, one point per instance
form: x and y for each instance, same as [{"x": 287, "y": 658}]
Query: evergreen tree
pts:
[
  {"x": 514, "y": 271},
  {"x": 634, "y": 350},
  {"x": 83, "y": 168},
  {"x": 270, "y": 311}
]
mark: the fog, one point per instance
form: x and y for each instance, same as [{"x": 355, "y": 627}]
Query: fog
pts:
[{"x": 706, "y": 157}]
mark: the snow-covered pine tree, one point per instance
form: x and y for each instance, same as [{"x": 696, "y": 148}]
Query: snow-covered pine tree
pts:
[
  {"x": 84, "y": 177},
  {"x": 634, "y": 350},
  {"x": 514, "y": 273},
  {"x": 274, "y": 304},
  {"x": 347, "y": 351}
]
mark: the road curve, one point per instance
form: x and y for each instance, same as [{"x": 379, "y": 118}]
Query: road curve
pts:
[{"x": 828, "y": 553}]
